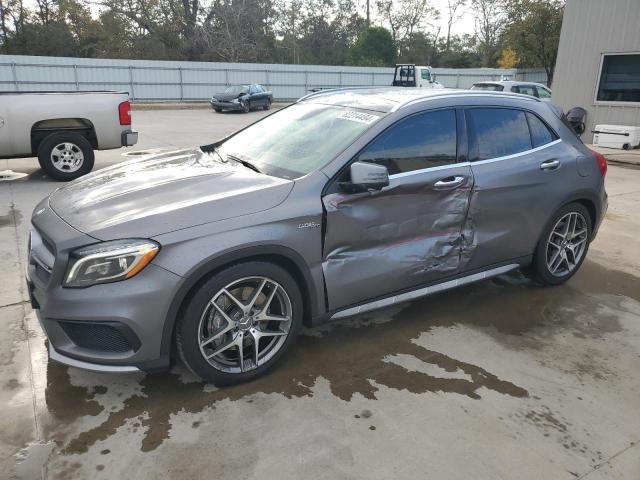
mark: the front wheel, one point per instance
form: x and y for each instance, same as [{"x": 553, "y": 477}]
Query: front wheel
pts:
[
  {"x": 245, "y": 106},
  {"x": 563, "y": 245},
  {"x": 267, "y": 105},
  {"x": 65, "y": 156},
  {"x": 240, "y": 323}
]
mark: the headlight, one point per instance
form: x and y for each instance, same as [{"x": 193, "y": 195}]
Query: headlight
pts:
[
  {"x": 214, "y": 99},
  {"x": 235, "y": 100},
  {"x": 109, "y": 262}
]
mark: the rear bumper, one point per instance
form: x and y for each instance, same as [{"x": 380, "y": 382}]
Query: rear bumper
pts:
[{"x": 129, "y": 138}]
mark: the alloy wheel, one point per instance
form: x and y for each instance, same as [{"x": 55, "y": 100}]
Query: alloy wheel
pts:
[
  {"x": 245, "y": 324},
  {"x": 67, "y": 157},
  {"x": 566, "y": 244}
]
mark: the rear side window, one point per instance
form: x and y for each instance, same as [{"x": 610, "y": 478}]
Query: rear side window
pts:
[
  {"x": 499, "y": 132},
  {"x": 540, "y": 133},
  {"x": 421, "y": 141}
]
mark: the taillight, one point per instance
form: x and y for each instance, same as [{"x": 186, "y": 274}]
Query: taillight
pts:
[
  {"x": 602, "y": 163},
  {"x": 124, "y": 112}
]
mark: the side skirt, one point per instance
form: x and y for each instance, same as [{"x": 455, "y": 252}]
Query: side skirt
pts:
[{"x": 423, "y": 292}]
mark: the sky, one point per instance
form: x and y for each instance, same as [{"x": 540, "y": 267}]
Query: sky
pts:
[{"x": 464, "y": 25}]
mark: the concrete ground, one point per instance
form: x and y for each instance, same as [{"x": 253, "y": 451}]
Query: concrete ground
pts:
[{"x": 501, "y": 379}]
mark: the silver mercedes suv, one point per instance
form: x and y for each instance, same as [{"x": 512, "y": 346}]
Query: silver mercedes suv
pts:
[{"x": 344, "y": 202}]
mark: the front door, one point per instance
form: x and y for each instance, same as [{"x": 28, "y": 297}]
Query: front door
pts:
[{"x": 410, "y": 232}]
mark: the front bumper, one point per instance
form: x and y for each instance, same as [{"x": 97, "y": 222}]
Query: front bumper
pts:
[
  {"x": 225, "y": 105},
  {"x": 113, "y": 327},
  {"x": 129, "y": 138}
]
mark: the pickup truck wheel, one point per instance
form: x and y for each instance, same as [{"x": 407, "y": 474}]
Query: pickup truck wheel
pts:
[
  {"x": 267, "y": 105},
  {"x": 65, "y": 156},
  {"x": 239, "y": 323}
]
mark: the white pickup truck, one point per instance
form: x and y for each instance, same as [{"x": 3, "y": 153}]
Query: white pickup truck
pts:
[{"x": 64, "y": 128}]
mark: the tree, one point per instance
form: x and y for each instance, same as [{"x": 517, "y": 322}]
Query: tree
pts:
[
  {"x": 508, "y": 59},
  {"x": 406, "y": 17},
  {"x": 374, "y": 47},
  {"x": 489, "y": 24},
  {"x": 533, "y": 32},
  {"x": 454, "y": 14}
]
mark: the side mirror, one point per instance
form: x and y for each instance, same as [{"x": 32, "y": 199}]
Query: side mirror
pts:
[{"x": 369, "y": 176}]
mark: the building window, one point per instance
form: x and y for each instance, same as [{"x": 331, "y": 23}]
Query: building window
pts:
[{"x": 620, "y": 78}]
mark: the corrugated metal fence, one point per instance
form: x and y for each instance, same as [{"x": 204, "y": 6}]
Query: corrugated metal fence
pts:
[{"x": 192, "y": 81}]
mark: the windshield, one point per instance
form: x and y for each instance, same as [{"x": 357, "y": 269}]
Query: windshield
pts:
[
  {"x": 492, "y": 87},
  {"x": 298, "y": 139},
  {"x": 237, "y": 89}
]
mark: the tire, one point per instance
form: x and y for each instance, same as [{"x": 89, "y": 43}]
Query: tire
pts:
[
  {"x": 218, "y": 110},
  {"x": 204, "y": 330},
  {"x": 626, "y": 146},
  {"x": 267, "y": 106},
  {"x": 545, "y": 259},
  {"x": 73, "y": 152},
  {"x": 245, "y": 106}
]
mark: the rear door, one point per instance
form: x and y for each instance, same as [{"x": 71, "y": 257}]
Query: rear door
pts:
[
  {"x": 521, "y": 172},
  {"x": 410, "y": 232}
]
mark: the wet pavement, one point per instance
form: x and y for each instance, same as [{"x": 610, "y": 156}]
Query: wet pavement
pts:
[{"x": 500, "y": 379}]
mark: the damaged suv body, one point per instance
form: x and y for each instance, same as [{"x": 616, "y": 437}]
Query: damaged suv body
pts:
[{"x": 344, "y": 202}]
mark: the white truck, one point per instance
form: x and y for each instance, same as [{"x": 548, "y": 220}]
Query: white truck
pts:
[
  {"x": 414, "y": 76},
  {"x": 64, "y": 128}
]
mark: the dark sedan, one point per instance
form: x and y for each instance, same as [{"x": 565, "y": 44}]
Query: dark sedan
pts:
[{"x": 242, "y": 98}]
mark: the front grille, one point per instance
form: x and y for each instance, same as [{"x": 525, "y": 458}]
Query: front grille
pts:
[{"x": 97, "y": 336}]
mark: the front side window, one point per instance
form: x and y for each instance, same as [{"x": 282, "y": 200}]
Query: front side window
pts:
[
  {"x": 499, "y": 132},
  {"x": 620, "y": 79},
  {"x": 543, "y": 92},
  {"x": 421, "y": 141},
  {"x": 525, "y": 90},
  {"x": 298, "y": 139},
  {"x": 425, "y": 74}
]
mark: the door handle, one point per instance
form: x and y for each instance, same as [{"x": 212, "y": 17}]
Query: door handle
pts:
[
  {"x": 449, "y": 183},
  {"x": 550, "y": 165}
]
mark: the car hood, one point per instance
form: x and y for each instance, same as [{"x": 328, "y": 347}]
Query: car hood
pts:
[
  {"x": 164, "y": 193},
  {"x": 225, "y": 97}
]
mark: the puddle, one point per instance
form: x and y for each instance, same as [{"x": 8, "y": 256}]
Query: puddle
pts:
[
  {"x": 148, "y": 151},
  {"x": 8, "y": 175},
  {"x": 13, "y": 218},
  {"x": 354, "y": 356}
]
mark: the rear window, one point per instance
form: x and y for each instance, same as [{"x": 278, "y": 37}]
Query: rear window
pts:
[
  {"x": 499, "y": 132},
  {"x": 491, "y": 87}
]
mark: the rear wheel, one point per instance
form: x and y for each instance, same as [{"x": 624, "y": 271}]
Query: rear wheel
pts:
[
  {"x": 240, "y": 322},
  {"x": 563, "y": 246},
  {"x": 65, "y": 156}
]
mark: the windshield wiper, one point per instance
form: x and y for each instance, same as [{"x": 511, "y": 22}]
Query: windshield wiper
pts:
[{"x": 246, "y": 163}]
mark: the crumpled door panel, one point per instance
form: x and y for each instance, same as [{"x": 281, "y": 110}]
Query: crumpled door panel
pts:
[{"x": 405, "y": 235}]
